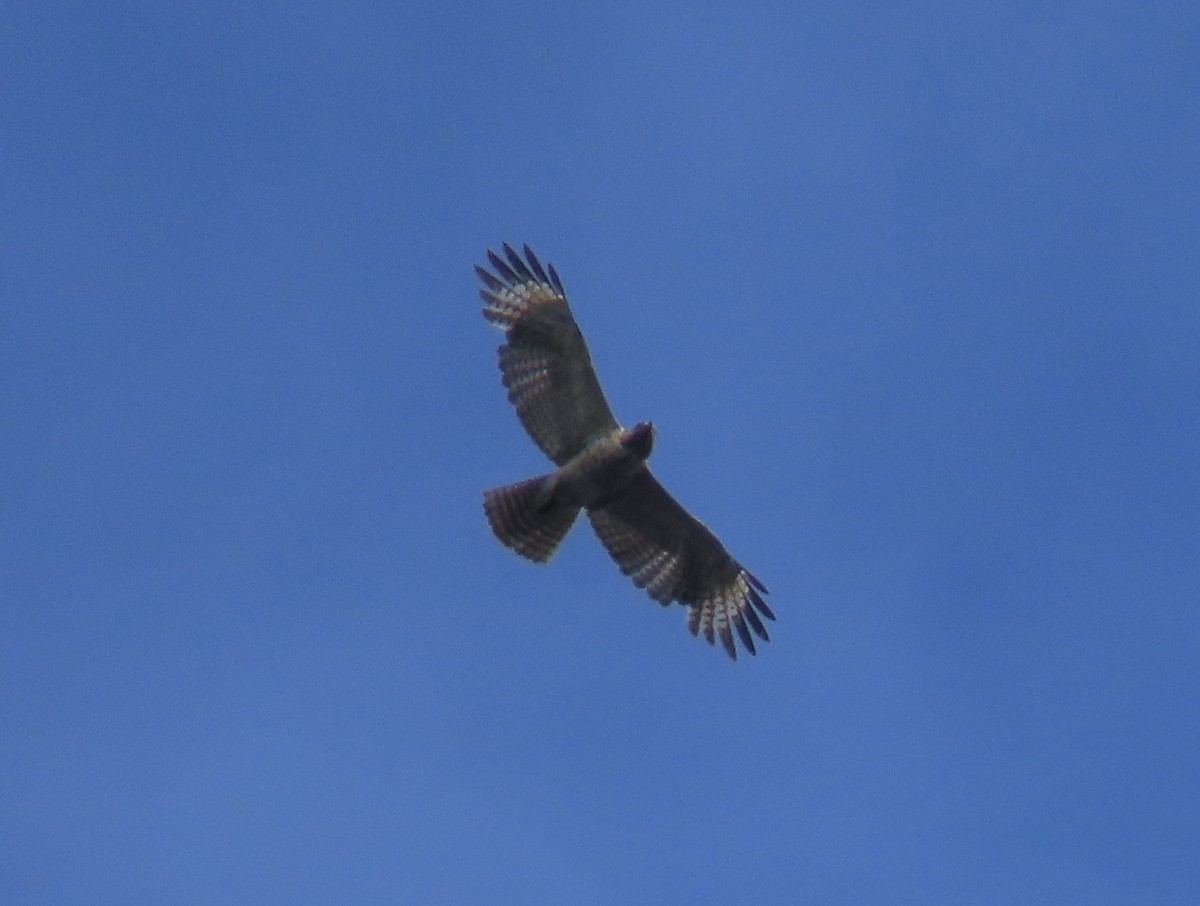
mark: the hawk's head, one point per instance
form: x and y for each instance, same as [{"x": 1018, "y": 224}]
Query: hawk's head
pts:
[{"x": 639, "y": 439}]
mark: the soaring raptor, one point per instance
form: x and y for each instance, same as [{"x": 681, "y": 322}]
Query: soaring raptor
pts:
[{"x": 547, "y": 370}]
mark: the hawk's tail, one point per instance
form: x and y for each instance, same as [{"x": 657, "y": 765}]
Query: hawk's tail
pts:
[{"x": 525, "y": 520}]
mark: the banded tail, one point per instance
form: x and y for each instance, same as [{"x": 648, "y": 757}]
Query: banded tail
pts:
[{"x": 525, "y": 519}]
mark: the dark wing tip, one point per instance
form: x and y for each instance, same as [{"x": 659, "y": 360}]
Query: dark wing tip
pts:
[
  {"x": 536, "y": 265},
  {"x": 760, "y": 604},
  {"x": 502, "y": 268},
  {"x": 727, "y": 640},
  {"x": 515, "y": 270},
  {"x": 754, "y": 580},
  {"x": 739, "y": 623},
  {"x": 489, "y": 279},
  {"x": 755, "y": 623},
  {"x": 519, "y": 266}
]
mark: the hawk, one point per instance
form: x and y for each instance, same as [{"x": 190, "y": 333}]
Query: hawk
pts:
[{"x": 601, "y": 466}]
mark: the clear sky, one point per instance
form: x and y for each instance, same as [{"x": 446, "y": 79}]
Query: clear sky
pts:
[{"x": 912, "y": 295}]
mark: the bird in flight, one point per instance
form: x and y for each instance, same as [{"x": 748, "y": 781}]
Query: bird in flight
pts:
[{"x": 601, "y": 466}]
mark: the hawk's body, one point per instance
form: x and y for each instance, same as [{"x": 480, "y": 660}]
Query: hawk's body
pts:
[{"x": 601, "y": 466}]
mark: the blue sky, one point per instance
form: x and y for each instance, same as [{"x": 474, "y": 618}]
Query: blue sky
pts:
[{"x": 911, "y": 296}]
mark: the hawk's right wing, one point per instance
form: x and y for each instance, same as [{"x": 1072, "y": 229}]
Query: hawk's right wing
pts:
[
  {"x": 672, "y": 554},
  {"x": 545, "y": 363}
]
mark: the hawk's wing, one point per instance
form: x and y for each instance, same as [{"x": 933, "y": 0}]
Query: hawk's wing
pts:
[
  {"x": 545, "y": 363},
  {"x": 674, "y": 556}
]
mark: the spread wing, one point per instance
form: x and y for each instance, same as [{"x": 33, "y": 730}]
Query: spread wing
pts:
[
  {"x": 674, "y": 556},
  {"x": 545, "y": 362}
]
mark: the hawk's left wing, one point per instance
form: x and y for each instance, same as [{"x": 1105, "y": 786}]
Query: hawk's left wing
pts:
[
  {"x": 674, "y": 556},
  {"x": 545, "y": 364}
]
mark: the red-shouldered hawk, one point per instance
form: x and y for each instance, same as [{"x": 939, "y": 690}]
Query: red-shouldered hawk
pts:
[{"x": 602, "y": 468}]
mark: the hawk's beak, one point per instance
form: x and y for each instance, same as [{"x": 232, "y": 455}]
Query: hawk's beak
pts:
[{"x": 639, "y": 438}]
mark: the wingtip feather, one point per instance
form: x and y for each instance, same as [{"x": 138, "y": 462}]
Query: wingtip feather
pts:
[
  {"x": 755, "y": 581},
  {"x": 519, "y": 266},
  {"x": 739, "y": 623},
  {"x": 757, "y": 601},
  {"x": 727, "y": 640},
  {"x": 502, "y": 268},
  {"x": 489, "y": 279},
  {"x": 535, "y": 264}
]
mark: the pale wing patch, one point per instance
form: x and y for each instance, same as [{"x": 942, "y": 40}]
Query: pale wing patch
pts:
[
  {"x": 507, "y": 305},
  {"x": 656, "y": 570}
]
